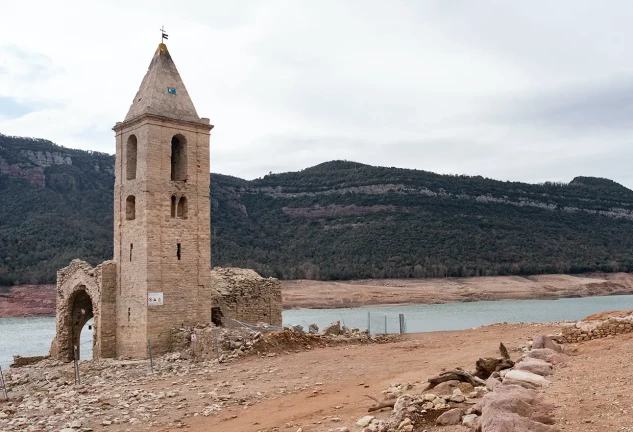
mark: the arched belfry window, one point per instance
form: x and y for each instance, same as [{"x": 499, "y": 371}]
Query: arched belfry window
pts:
[
  {"x": 182, "y": 208},
  {"x": 173, "y": 205},
  {"x": 178, "y": 158},
  {"x": 130, "y": 207},
  {"x": 130, "y": 157}
]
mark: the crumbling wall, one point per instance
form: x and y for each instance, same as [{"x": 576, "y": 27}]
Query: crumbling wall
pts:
[
  {"x": 243, "y": 295},
  {"x": 583, "y": 330},
  {"x": 85, "y": 292}
]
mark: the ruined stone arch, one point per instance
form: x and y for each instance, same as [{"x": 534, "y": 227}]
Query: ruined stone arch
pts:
[{"x": 85, "y": 292}]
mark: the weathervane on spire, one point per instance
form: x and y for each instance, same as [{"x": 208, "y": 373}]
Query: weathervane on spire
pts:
[{"x": 164, "y": 36}]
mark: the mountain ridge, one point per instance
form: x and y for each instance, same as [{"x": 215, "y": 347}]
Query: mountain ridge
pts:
[{"x": 335, "y": 220}]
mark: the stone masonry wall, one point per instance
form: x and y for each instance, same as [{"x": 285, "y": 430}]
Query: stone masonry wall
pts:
[
  {"x": 158, "y": 251},
  {"x": 96, "y": 288},
  {"x": 584, "y": 331},
  {"x": 245, "y": 296}
]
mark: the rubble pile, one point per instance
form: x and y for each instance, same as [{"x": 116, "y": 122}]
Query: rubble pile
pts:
[
  {"x": 121, "y": 394},
  {"x": 504, "y": 396},
  {"x": 207, "y": 342}
]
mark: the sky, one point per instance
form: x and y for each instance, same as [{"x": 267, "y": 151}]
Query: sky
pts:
[{"x": 526, "y": 91}]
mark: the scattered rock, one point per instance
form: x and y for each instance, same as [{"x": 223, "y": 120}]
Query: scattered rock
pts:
[
  {"x": 529, "y": 377},
  {"x": 470, "y": 421},
  {"x": 365, "y": 421},
  {"x": 450, "y": 417},
  {"x": 536, "y": 366},
  {"x": 333, "y": 329}
]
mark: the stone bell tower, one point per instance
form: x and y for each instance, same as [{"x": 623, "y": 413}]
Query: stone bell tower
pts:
[{"x": 161, "y": 213}]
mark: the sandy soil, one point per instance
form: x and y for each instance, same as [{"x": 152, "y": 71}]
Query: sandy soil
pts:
[
  {"x": 317, "y": 294},
  {"x": 307, "y": 389},
  {"x": 349, "y": 373},
  {"x": 593, "y": 391}
]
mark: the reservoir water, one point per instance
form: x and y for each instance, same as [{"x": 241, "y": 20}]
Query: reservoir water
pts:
[{"x": 32, "y": 336}]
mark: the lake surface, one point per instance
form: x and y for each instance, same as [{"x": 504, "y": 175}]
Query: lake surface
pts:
[{"x": 33, "y": 336}]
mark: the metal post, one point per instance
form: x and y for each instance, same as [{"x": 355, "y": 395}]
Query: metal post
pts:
[
  {"x": 4, "y": 385},
  {"x": 401, "y": 319},
  {"x": 151, "y": 360},
  {"x": 368, "y": 323},
  {"x": 77, "y": 376},
  {"x": 385, "y": 324}
]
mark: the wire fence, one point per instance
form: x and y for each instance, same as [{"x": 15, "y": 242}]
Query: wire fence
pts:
[
  {"x": 378, "y": 323},
  {"x": 372, "y": 321}
]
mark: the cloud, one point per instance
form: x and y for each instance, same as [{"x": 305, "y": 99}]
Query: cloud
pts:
[{"x": 532, "y": 91}]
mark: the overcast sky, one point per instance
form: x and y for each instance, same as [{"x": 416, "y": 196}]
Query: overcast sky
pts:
[{"x": 528, "y": 91}]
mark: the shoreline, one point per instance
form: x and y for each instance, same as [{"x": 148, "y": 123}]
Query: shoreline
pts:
[
  {"x": 316, "y": 306},
  {"x": 308, "y": 294},
  {"x": 28, "y": 301}
]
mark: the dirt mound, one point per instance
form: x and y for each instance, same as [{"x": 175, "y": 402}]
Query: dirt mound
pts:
[{"x": 289, "y": 341}]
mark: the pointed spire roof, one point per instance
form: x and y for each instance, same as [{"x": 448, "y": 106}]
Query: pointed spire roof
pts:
[{"x": 162, "y": 91}]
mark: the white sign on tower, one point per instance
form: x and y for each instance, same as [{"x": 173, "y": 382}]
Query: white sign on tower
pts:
[{"x": 155, "y": 299}]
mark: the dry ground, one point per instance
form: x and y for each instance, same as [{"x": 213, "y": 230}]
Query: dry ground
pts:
[
  {"x": 318, "y": 294},
  {"x": 349, "y": 373},
  {"x": 592, "y": 392}
]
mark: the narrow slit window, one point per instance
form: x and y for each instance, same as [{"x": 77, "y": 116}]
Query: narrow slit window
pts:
[
  {"x": 173, "y": 205},
  {"x": 181, "y": 211},
  {"x": 130, "y": 157},
  {"x": 130, "y": 208},
  {"x": 178, "y": 251},
  {"x": 131, "y": 247},
  {"x": 178, "y": 158}
]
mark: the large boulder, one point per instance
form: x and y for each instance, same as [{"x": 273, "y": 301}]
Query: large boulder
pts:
[
  {"x": 512, "y": 408},
  {"x": 528, "y": 377},
  {"x": 542, "y": 341},
  {"x": 447, "y": 388},
  {"x": 546, "y": 354},
  {"x": 536, "y": 366}
]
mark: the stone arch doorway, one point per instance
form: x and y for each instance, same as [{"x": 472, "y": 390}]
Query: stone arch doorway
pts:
[
  {"x": 83, "y": 293},
  {"x": 81, "y": 311}
]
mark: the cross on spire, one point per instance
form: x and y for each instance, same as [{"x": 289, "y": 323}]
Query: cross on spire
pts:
[{"x": 164, "y": 36}]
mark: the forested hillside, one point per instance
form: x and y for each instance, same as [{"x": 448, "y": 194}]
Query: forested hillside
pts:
[{"x": 337, "y": 220}]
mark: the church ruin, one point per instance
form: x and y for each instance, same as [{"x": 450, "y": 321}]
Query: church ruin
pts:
[{"x": 160, "y": 275}]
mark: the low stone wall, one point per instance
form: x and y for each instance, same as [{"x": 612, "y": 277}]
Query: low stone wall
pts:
[
  {"x": 584, "y": 331},
  {"x": 243, "y": 295},
  {"x": 19, "y": 361}
]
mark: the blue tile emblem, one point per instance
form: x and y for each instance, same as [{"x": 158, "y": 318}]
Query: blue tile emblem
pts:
[{"x": 171, "y": 90}]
